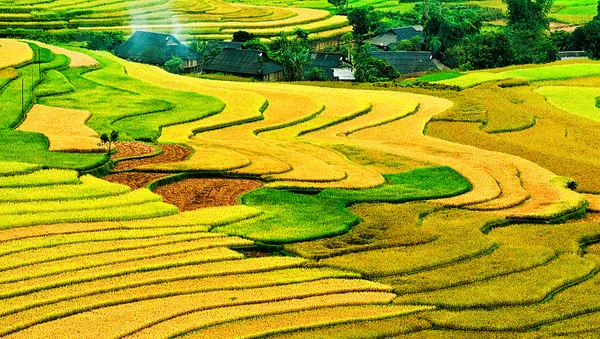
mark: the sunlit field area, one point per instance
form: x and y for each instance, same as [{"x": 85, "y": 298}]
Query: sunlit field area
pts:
[{"x": 468, "y": 208}]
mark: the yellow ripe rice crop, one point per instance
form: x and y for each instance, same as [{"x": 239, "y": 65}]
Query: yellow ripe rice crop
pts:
[
  {"x": 65, "y": 128},
  {"x": 582, "y": 325},
  {"x": 504, "y": 260},
  {"x": 78, "y": 60},
  {"x": 134, "y": 316},
  {"x": 460, "y": 238},
  {"x": 384, "y": 225},
  {"x": 380, "y": 328},
  {"x": 150, "y": 209},
  {"x": 14, "y": 53},
  {"x": 104, "y": 290},
  {"x": 104, "y": 252},
  {"x": 90, "y": 187},
  {"x": 579, "y": 299},
  {"x": 15, "y": 168},
  {"x": 300, "y": 318},
  {"x": 135, "y": 197},
  {"x": 40, "y": 178},
  {"x": 157, "y": 236},
  {"x": 9, "y": 73},
  {"x": 521, "y": 288},
  {"x": 200, "y": 220},
  {"x": 55, "y": 277}
]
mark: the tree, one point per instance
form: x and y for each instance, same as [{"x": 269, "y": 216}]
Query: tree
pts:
[
  {"x": 370, "y": 69},
  {"x": 528, "y": 14},
  {"x": 174, "y": 65},
  {"x": 207, "y": 50},
  {"x": 563, "y": 40},
  {"x": 107, "y": 140},
  {"x": 484, "y": 50},
  {"x": 587, "y": 38},
  {"x": 338, "y": 3},
  {"x": 242, "y": 36},
  {"x": 256, "y": 44},
  {"x": 445, "y": 29},
  {"x": 359, "y": 19},
  {"x": 105, "y": 40},
  {"x": 292, "y": 54}
]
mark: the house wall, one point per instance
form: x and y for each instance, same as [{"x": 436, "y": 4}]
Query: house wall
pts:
[{"x": 278, "y": 76}]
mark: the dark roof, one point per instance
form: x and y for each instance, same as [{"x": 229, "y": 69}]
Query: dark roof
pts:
[
  {"x": 154, "y": 48},
  {"x": 396, "y": 35},
  {"x": 408, "y": 62},
  {"x": 406, "y": 33},
  {"x": 325, "y": 62},
  {"x": 231, "y": 44},
  {"x": 242, "y": 61}
]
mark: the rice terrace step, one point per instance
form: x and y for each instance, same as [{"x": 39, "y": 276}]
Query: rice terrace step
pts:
[{"x": 140, "y": 203}]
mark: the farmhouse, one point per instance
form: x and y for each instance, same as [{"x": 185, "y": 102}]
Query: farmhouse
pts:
[
  {"x": 410, "y": 62},
  {"x": 157, "y": 49},
  {"x": 385, "y": 40},
  {"x": 326, "y": 62},
  {"x": 247, "y": 63}
]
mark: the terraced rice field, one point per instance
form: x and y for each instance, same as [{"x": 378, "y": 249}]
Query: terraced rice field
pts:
[
  {"x": 400, "y": 214},
  {"x": 208, "y": 19}
]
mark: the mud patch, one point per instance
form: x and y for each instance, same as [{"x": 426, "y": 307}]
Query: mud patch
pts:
[
  {"x": 134, "y": 180},
  {"x": 132, "y": 149},
  {"x": 170, "y": 153},
  {"x": 191, "y": 194}
]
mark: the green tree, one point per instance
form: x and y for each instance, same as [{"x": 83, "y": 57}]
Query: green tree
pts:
[
  {"x": 105, "y": 40},
  {"x": 174, "y": 65},
  {"x": 256, "y": 44},
  {"x": 207, "y": 50},
  {"x": 528, "y": 14},
  {"x": 338, "y": 3},
  {"x": 484, "y": 50},
  {"x": 364, "y": 21},
  {"x": 587, "y": 38},
  {"x": 447, "y": 28},
  {"x": 292, "y": 54},
  {"x": 242, "y": 36},
  {"x": 107, "y": 140},
  {"x": 369, "y": 69}
]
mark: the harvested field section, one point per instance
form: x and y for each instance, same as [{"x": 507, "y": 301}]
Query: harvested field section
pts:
[{"x": 190, "y": 194}]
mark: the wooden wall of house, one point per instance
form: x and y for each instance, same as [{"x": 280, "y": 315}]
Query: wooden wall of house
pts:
[
  {"x": 320, "y": 45},
  {"x": 278, "y": 76}
]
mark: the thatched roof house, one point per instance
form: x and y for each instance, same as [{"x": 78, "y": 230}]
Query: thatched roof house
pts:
[
  {"x": 157, "y": 49},
  {"x": 247, "y": 63}
]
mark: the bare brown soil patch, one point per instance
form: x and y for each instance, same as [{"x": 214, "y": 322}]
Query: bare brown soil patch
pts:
[
  {"x": 170, "y": 153},
  {"x": 190, "y": 194},
  {"x": 134, "y": 180},
  {"x": 132, "y": 149}
]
